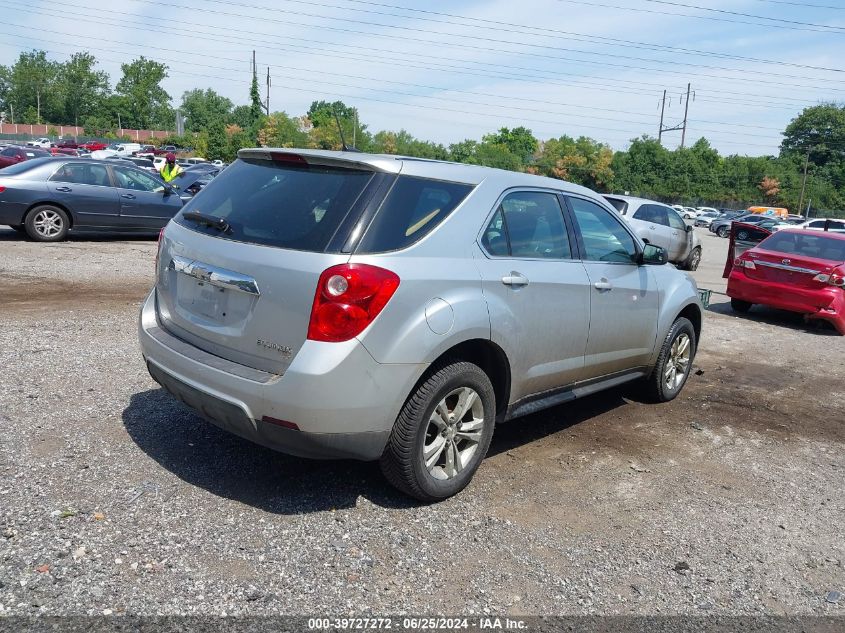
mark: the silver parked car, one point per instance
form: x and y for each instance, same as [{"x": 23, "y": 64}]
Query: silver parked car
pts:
[
  {"x": 659, "y": 224},
  {"x": 336, "y": 304}
]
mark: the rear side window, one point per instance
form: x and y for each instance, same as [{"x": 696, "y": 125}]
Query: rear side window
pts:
[
  {"x": 528, "y": 224},
  {"x": 82, "y": 174},
  {"x": 413, "y": 208},
  {"x": 292, "y": 206}
]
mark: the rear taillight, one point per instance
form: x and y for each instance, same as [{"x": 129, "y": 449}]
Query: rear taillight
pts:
[
  {"x": 2, "y": 188},
  {"x": 348, "y": 298},
  {"x": 739, "y": 262},
  {"x": 832, "y": 279},
  {"x": 158, "y": 249}
]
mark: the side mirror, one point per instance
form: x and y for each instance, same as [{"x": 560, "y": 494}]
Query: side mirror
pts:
[
  {"x": 653, "y": 255},
  {"x": 688, "y": 229}
]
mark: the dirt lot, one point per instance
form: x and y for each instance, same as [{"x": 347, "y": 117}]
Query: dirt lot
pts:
[{"x": 113, "y": 498}]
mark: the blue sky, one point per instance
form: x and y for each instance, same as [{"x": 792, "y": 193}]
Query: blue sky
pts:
[{"x": 555, "y": 66}]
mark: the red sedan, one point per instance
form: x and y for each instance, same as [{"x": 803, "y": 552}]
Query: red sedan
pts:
[
  {"x": 796, "y": 270},
  {"x": 93, "y": 146}
]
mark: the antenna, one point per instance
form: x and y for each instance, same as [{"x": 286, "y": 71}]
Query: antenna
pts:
[{"x": 343, "y": 146}]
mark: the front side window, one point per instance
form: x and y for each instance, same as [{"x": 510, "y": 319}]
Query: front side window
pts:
[
  {"x": 528, "y": 225},
  {"x": 413, "y": 208},
  {"x": 82, "y": 174},
  {"x": 675, "y": 220},
  {"x": 136, "y": 180},
  {"x": 604, "y": 237}
]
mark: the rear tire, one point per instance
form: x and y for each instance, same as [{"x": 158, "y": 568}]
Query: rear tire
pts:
[
  {"x": 693, "y": 260},
  {"x": 738, "y": 305},
  {"x": 673, "y": 365},
  {"x": 437, "y": 442},
  {"x": 723, "y": 231},
  {"x": 47, "y": 223}
]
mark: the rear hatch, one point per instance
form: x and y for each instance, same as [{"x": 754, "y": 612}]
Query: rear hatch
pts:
[
  {"x": 239, "y": 265},
  {"x": 795, "y": 258}
]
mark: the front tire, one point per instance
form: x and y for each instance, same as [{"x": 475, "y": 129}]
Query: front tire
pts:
[
  {"x": 723, "y": 231},
  {"x": 442, "y": 433},
  {"x": 693, "y": 260},
  {"x": 47, "y": 223},
  {"x": 674, "y": 363}
]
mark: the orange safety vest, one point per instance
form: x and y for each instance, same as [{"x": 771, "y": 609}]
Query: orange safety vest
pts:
[{"x": 168, "y": 174}]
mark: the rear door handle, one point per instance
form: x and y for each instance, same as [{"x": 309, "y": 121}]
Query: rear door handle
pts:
[
  {"x": 64, "y": 189},
  {"x": 603, "y": 285},
  {"x": 128, "y": 196},
  {"x": 515, "y": 279}
]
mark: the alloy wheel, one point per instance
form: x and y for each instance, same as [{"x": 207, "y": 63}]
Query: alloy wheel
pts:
[
  {"x": 453, "y": 433},
  {"x": 678, "y": 363},
  {"x": 48, "y": 223}
]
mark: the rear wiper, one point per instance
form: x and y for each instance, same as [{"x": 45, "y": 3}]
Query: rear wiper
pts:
[{"x": 208, "y": 220}]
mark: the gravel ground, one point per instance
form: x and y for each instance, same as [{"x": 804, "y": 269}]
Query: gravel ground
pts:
[{"x": 116, "y": 499}]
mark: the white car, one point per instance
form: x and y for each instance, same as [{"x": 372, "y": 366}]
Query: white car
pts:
[
  {"x": 700, "y": 210},
  {"x": 43, "y": 143},
  {"x": 834, "y": 225},
  {"x": 659, "y": 224}
]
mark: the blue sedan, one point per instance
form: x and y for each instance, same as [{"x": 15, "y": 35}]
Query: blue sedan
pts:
[{"x": 47, "y": 197}]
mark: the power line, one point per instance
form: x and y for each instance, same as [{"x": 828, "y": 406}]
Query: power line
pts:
[
  {"x": 745, "y": 15},
  {"x": 699, "y": 17},
  {"x": 803, "y": 5},
  {"x": 497, "y": 41},
  {"x": 603, "y": 87}
]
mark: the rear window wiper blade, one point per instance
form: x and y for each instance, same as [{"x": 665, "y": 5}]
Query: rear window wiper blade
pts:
[{"x": 208, "y": 220}]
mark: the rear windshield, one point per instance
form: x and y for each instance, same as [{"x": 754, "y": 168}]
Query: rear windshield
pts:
[
  {"x": 299, "y": 207},
  {"x": 806, "y": 245},
  {"x": 413, "y": 208}
]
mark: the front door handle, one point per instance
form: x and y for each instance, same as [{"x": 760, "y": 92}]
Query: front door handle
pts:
[
  {"x": 128, "y": 196},
  {"x": 64, "y": 189},
  {"x": 515, "y": 279},
  {"x": 603, "y": 285}
]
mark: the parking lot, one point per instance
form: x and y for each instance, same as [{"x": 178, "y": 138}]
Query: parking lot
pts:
[{"x": 116, "y": 499}]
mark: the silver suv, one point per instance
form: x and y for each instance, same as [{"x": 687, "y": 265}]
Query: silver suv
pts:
[
  {"x": 344, "y": 305},
  {"x": 661, "y": 225}
]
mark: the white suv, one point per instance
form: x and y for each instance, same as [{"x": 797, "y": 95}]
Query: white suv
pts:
[{"x": 659, "y": 224}]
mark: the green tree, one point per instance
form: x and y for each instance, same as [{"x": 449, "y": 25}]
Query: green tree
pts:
[
  {"x": 821, "y": 131},
  {"x": 324, "y": 133},
  {"x": 218, "y": 142},
  {"x": 147, "y": 103},
  {"x": 32, "y": 89},
  {"x": 82, "y": 87},
  {"x": 280, "y": 130},
  {"x": 256, "y": 109},
  {"x": 519, "y": 141},
  {"x": 204, "y": 108},
  {"x": 464, "y": 152},
  {"x": 582, "y": 161}
]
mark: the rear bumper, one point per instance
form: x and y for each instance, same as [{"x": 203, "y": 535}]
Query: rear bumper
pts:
[
  {"x": 827, "y": 304},
  {"x": 343, "y": 402}
]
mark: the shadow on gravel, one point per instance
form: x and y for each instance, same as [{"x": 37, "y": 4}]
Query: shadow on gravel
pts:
[
  {"x": 781, "y": 318},
  {"x": 538, "y": 426},
  {"x": 202, "y": 455}
]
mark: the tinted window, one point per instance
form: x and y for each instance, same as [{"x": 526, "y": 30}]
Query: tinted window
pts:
[
  {"x": 531, "y": 223},
  {"x": 136, "y": 180},
  {"x": 807, "y": 244},
  {"x": 675, "y": 220},
  {"x": 412, "y": 209},
  {"x": 495, "y": 239},
  {"x": 279, "y": 204},
  {"x": 619, "y": 205},
  {"x": 604, "y": 237},
  {"x": 652, "y": 213},
  {"x": 9, "y": 151},
  {"x": 82, "y": 174}
]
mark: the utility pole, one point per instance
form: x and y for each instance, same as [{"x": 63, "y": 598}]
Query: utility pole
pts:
[
  {"x": 682, "y": 126},
  {"x": 804, "y": 181},
  {"x": 267, "y": 106}
]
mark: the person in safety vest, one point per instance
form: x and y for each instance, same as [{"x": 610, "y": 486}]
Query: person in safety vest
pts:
[{"x": 170, "y": 169}]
